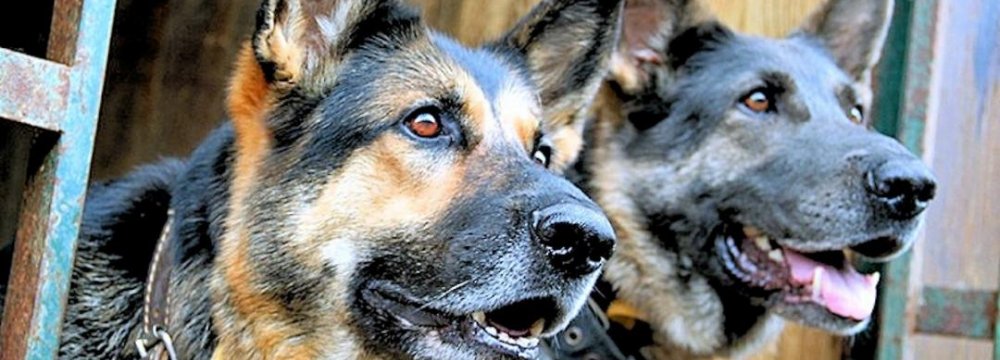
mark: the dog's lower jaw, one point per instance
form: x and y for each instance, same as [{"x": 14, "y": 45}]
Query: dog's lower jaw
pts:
[{"x": 685, "y": 314}]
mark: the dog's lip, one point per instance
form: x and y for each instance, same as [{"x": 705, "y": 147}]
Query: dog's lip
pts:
[
  {"x": 476, "y": 327},
  {"x": 824, "y": 278},
  {"x": 406, "y": 310}
]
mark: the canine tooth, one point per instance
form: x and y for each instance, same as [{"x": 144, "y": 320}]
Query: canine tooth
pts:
[
  {"x": 479, "y": 317},
  {"x": 492, "y": 331},
  {"x": 537, "y": 327},
  {"x": 751, "y": 232},
  {"x": 776, "y": 255},
  {"x": 817, "y": 283},
  {"x": 874, "y": 278},
  {"x": 763, "y": 243}
]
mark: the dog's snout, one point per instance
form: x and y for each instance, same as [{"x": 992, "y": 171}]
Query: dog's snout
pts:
[
  {"x": 905, "y": 187},
  {"x": 576, "y": 239}
]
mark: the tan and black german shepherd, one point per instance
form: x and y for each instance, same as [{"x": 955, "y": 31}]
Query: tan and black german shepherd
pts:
[
  {"x": 741, "y": 172},
  {"x": 381, "y": 192}
]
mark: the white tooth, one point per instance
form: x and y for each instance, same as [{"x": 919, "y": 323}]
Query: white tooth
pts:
[
  {"x": 537, "y": 327},
  {"x": 505, "y": 338},
  {"x": 523, "y": 342},
  {"x": 479, "y": 317},
  {"x": 874, "y": 278},
  {"x": 776, "y": 255},
  {"x": 817, "y": 284},
  {"x": 532, "y": 342},
  {"x": 492, "y": 330},
  {"x": 762, "y": 243}
]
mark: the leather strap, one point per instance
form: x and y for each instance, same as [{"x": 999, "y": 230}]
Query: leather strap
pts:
[
  {"x": 155, "y": 341},
  {"x": 594, "y": 335}
]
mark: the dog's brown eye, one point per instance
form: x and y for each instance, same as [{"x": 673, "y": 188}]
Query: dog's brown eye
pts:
[
  {"x": 857, "y": 115},
  {"x": 758, "y": 102},
  {"x": 425, "y": 125}
]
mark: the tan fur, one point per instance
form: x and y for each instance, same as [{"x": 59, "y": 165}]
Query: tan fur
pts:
[{"x": 642, "y": 272}]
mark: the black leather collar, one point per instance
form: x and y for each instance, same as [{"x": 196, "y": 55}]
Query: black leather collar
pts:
[{"x": 593, "y": 336}]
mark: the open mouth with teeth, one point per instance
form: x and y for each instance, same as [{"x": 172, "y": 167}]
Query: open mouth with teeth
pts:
[
  {"x": 510, "y": 330},
  {"x": 819, "y": 279}
]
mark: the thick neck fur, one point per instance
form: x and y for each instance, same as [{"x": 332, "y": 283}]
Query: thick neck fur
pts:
[
  {"x": 684, "y": 309},
  {"x": 122, "y": 222}
]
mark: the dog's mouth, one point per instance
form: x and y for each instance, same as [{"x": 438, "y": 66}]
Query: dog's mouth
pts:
[
  {"x": 513, "y": 329},
  {"x": 823, "y": 279}
]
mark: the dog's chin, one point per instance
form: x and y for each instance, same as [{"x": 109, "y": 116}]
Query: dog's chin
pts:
[
  {"x": 510, "y": 330},
  {"x": 818, "y": 288}
]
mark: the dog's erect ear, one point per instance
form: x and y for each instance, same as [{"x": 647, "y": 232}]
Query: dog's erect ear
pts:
[
  {"x": 854, "y": 32},
  {"x": 297, "y": 41},
  {"x": 648, "y": 30},
  {"x": 567, "y": 46},
  {"x": 298, "y": 44}
]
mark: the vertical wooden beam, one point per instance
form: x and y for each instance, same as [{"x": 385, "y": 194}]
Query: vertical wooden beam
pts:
[
  {"x": 46, "y": 239},
  {"x": 919, "y": 49}
]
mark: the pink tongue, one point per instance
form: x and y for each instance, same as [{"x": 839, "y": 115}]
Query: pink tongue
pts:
[{"x": 844, "y": 292}]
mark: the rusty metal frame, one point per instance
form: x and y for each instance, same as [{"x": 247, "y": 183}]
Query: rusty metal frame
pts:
[{"x": 60, "y": 95}]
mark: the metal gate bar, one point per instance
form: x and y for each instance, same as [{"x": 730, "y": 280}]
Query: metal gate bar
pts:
[{"x": 61, "y": 96}]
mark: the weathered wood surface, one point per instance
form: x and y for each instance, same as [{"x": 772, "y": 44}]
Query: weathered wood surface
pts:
[{"x": 962, "y": 238}]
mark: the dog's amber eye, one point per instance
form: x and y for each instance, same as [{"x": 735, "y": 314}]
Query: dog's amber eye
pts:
[
  {"x": 857, "y": 115},
  {"x": 758, "y": 102},
  {"x": 424, "y": 125}
]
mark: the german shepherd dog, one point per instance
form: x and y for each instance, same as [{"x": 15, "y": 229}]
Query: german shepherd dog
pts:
[
  {"x": 742, "y": 175},
  {"x": 381, "y": 192}
]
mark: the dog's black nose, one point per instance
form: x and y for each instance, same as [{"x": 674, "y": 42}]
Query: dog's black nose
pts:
[
  {"x": 905, "y": 187},
  {"x": 576, "y": 239}
]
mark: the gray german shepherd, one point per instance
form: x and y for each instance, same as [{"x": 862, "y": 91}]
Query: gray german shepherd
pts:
[{"x": 741, "y": 175}]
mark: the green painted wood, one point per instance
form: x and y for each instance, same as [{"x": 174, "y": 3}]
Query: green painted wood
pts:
[
  {"x": 996, "y": 330},
  {"x": 964, "y": 313},
  {"x": 916, "y": 42}
]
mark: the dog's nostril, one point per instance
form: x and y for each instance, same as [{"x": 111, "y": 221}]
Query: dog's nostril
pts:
[
  {"x": 577, "y": 239},
  {"x": 904, "y": 187}
]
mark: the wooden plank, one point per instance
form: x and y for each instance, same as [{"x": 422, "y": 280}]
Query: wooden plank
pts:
[
  {"x": 34, "y": 90},
  {"x": 774, "y": 18},
  {"x": 932, "y": 347},
  {"x": 893, "y": 306},
  {"x": 966, "y": 154},
  {"x": 54, "y": 202},
  {"x": 964, "y": 313},
  {"x": 167, "y": 78}
]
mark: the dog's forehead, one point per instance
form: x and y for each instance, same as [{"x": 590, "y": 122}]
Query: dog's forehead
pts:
[
  {"x": 801, "y": 59},
  {"x": 488, "y": 70}
]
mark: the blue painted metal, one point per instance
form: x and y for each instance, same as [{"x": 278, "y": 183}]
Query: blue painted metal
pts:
[
  {"x": 72, "y": 168},
  {"x": 66, "y": 99},
  {"x": 912, "y": 116},
  {"x": 35, "y": 90}
]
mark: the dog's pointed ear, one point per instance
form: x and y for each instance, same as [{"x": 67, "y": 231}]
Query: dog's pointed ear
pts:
[
  {"x": 567, "y": 47},
  {"x": 298, "y": 40},
  {"x": 649, "y": 28},
  {"x": 299, "y": 44},
  {"x": 854, "y": 31}
]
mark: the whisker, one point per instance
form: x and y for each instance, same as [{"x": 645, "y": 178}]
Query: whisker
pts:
[{"x": 443, "y": 294}]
